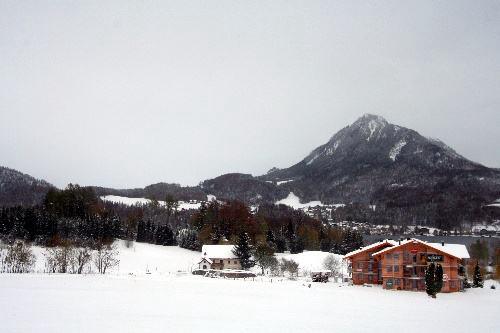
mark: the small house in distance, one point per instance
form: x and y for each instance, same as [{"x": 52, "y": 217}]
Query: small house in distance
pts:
[{"x": 218, "y": 257}]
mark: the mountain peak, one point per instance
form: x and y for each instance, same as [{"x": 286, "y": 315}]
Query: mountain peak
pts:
[
  {"x": 368, "y": 117},
  {"x": 370, "y": 125}
]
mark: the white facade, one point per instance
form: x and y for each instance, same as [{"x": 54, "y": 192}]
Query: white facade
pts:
[{"x": 219, "y": 257}]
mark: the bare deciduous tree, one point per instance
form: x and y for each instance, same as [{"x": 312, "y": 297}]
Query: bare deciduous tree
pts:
[
  {"x": 332, "y": 264},
  {"x": 61, "y": 259},
  {"x": 82, "y": 257},
  {"x": 19, "y": 258},
  {"x": 290, "y": 266},
  {"x": 106, "y": 256}
]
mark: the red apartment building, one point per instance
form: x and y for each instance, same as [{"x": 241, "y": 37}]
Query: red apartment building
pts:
[{"x": 401, "y": 265}]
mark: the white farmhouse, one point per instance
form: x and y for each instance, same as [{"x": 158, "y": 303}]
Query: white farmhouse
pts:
[{"x": 218, "y": 257}]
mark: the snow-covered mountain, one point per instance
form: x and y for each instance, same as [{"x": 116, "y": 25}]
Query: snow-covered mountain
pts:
[
  {"x": 372, "y": 156},
  {"x": 370, "y": 162}
]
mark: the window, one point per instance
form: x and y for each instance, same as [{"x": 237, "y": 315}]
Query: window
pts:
[
  {"x": 396, "y": 256},
  {"x": 388, "y": 256},
  {"x": 235, "y": 262},
  {"x": 453, "y": 284},
  {"x": 396, "y": 268},
  {"x": 360, "y": 265},
  {"x": 396, "y": 282},
  {"x": 204, "y": 266},
  {"x": 389, "y": 269},
  {"x": 229, "y": 261}
]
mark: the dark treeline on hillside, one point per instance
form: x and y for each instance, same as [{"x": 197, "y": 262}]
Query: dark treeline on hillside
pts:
[
  {"x": 77, "y": 214},
  {"x": 279, "y": 226}
]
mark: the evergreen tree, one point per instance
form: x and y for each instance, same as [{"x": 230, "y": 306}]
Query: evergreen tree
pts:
[
  {"x": 477, "y": 279},
  {"x": 280, "y": 244},
  {"x": 296, "y": 245},
  {"x": 439, "y": 278},
  {"x": 243, "y": 250},
  {"x": 264, "y": 256},
  {"x": 430, "y": 280},
  {"x": 270, "y": 237},
  {"x": 325, "y": 245}
]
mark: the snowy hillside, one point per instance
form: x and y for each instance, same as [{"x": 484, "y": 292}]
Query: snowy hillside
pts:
[
  {"x": 143, "y": 258},
  {"x": 144, "y": 201}
]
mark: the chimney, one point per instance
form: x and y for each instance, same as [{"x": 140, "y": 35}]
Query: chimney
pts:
[
  {"x": 399, "y": 241},
  {"x": 442, "y": 243},
  {"x": 408, "y": 239}
]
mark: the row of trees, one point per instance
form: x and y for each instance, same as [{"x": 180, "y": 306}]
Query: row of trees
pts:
[
  {"x": 65, "y": 258},
  {"x": 77, "y": 214},
  {"x": 280, "y": 227},
  {"x": 434, "y": 279}
]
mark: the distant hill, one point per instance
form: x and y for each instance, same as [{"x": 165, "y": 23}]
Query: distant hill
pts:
[
  {"x": 17, "y": 188},
  {"x": 402, "y": 173},
  {"x": 156, "y": 191}
]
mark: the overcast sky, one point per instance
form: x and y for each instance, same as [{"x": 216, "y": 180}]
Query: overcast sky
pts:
[{"x": 125, "y": 94}]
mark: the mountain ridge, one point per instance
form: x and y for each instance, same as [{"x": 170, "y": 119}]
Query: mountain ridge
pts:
[{"x": 370, "y": 161}]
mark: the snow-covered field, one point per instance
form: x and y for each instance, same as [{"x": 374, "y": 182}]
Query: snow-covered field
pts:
[
  {"x": 92, "y": 303},
  {"x": 169, "y": 299}
]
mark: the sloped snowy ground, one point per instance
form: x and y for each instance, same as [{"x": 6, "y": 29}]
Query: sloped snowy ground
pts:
[
  {"x": 113, "y": 303},
  {"x": 140, "y": 258}
]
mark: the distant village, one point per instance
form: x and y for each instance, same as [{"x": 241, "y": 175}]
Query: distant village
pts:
[{"x": 417, "y": 228}]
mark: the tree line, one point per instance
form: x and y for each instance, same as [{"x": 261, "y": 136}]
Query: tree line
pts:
[{"x": 78, "y": 215}]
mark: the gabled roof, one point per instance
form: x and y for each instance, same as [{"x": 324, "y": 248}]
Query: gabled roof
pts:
[
  {"x": 206, "y": 259},
  {"x": 218, "y": 251},
  {"x": 385, "y": 242},
  {"x": 454, "y": 250}
]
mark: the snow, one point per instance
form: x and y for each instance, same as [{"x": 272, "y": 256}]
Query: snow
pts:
[
  {"x": 71, "y": 303},
  {"x": 375, "y": 124},
  {"x": 144, "y": 201},
  {"x": 371, "y": 246},
  {"x": 312, "y": 159},
  {"x": 493, "y": 227},
  {"x": 284, "y": 181},
  {"x": 372, "y": 125},
  {"x": 456, "y": 250},
  {"x": 397, "y": 149},
  {"x": 310, "y": 260},
  {"x": 495, "y": 204},
  {"x": 128, "y": 299},
  {"x": 125, "y": 200},
  {"x": 140, "y": 258},
  {"x": 294, "y": 201}
]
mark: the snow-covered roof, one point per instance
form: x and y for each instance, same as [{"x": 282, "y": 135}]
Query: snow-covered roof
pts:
[
  {"x": 389, "y": 242},
  {"x": 206, "y": 259},
  {"x": 455, "y": 250},
  {"x": 218, "y": 251}
]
